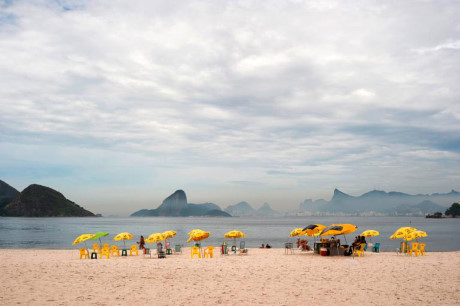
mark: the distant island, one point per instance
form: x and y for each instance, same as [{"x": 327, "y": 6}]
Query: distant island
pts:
[
  {"x": 176, "y": 205},
  {"x": 378, "y": 203},
  {"x": 452, "y": 212},
  {"x": 37, "y": 201}
]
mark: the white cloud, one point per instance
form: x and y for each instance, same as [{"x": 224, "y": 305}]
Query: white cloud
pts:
[{"x": 303, "y": 95}]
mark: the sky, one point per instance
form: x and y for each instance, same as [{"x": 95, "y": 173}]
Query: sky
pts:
[{"x": 117, "y": 104}]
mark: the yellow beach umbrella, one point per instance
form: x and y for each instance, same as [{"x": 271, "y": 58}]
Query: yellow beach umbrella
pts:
[
  {"x": 234, "y": 234},
  {"x": 370, "y": 233},
  {"x": 415, "y": 235},
  {"x": 123, "y": 236},
  {"x": 339, "y": 229},
  {"x": 198, "y": 236},
  {"x": 312, "y": 230},
  {"x": 169, "y": 234},
  {"x": 83, "y": 238},
  {"x": 295, "y": 232},
  {"x": 402, "y": 232},
  {"x": 155, "y": 237},
  {"x": 194, "y": 231}
]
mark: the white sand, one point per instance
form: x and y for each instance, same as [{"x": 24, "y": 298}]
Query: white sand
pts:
[{"x": 267, "y": 277}]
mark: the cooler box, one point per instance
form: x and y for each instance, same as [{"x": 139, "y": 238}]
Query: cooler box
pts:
[{"x": 323, "y": 252}]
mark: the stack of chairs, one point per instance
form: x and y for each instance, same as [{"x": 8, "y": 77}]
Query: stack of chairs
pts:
[{"x": 243, "y": 250}]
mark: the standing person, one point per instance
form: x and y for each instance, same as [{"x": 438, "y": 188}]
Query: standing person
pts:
[{"x": 141, "y": 243}]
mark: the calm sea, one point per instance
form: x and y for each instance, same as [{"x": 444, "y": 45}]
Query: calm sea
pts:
[{"x": 59, "y": 233}]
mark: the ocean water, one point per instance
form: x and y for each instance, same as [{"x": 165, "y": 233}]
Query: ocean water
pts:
[{"x": 59, "y": 233}]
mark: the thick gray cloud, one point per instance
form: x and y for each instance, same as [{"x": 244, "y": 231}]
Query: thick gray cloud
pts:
[{"x": 265, "y": 101}]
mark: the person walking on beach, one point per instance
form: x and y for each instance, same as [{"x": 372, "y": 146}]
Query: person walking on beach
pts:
[{"x": 141, "y": 243}]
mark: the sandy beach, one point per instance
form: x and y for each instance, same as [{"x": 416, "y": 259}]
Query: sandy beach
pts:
[{"x": 264, "y": 277}]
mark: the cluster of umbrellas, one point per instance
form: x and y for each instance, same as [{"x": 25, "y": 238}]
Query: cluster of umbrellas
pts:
[
  {"x": 155, "y": 237},
  {"x": 408, "y": 234},
  {"x": 198, "y": 235},
  {"x": 315, "y": 230}
]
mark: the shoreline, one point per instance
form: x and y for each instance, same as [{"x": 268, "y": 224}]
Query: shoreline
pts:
[
  {"x": 264, "y": 276},
  {"x": 296, "y": 251}
]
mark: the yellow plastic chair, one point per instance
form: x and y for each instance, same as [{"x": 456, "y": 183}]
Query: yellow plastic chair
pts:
[
  {"x": 209, "y": 252},
  {"x": 84, "y": 253},
  {"x": 133, "y": 249},
  {"x": 105, "y": 252},
  {"x": 96, "y": 248},
  {"x": 195, "y": 251},
  {"x": 114, "y": 250},
  {"x": 359, "y": 250},
  {"x": 106, "y": 246},
  {"x": 414, "y": 249},
  {"x": 422, "y": 249}
]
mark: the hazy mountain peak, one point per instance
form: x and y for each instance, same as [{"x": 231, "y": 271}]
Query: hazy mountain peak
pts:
[
  {"x": 338, "y": 195},
  {"x": 266, "y": 211},
  {"x": 240, "y": 209},
  {"x": 373, "y": 193}
]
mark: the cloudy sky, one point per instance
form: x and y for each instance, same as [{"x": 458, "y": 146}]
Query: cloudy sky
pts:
[{"x": 119, "y": 103}]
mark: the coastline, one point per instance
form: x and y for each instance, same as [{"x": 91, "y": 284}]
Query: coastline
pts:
[{"x": 265, "y": 276}]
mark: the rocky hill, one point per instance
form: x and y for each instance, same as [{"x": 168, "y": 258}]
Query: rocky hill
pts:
[
  {"x": 176, "y": 205},
  {"x": 42, "y": 201},
  {"x": 7, "y": 194}
]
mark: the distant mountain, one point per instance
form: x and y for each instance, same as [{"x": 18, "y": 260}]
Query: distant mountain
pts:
[
  {"x": 141, "y": 213},
  {"x": 380, "y": 202},
  {"x": 216, "y": 213},
  {"x": 266, "y": 211},
  {"x": 241, "y": 209},
  {"x": 7, "y": 194},
  {"x": 176, "y": 205},
  {"x": 173, "y": 205},
  {"x": 42, "y": 201}
]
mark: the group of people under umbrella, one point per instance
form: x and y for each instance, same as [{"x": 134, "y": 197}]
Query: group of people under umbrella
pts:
[
  {"x": 325, "y": 246},
  {"x": 333, "y": 246}
]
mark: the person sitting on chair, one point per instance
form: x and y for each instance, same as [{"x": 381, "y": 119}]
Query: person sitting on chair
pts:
[
  {"x": 268, "y": 246},
  {"x": 262, "y": 246},
  {"x": 355, "y": 244}
]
